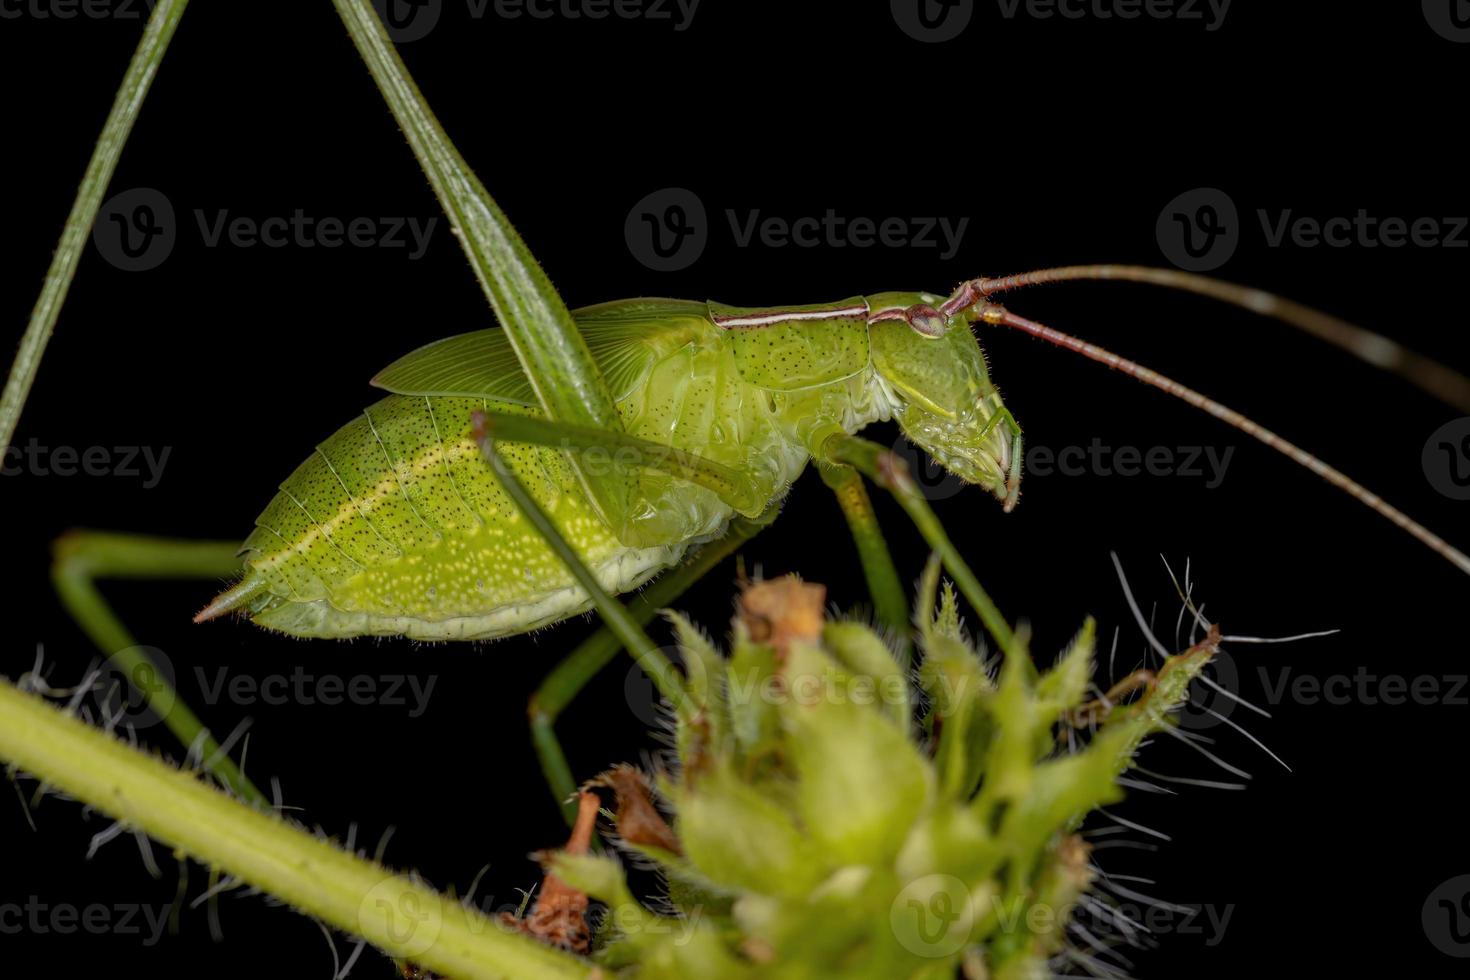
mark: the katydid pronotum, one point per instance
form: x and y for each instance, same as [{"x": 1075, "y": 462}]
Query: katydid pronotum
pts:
[{"x": 647, "y": 429}]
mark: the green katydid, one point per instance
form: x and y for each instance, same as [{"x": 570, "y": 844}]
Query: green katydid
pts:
[
  {"x": 647, "y": 430},
  {"x": 395, "y": 526}
]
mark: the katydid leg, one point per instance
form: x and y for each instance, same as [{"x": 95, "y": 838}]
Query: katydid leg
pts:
[
  {"x": 84, "y": 557},
  {"x": 890, "y": 472},
  {"x": 889, "y": 604},
  {"x": 570, "y": 676},
  {"x": 627, "y": 629},
  {"x": 568, "y": 384},
  {"x": 1018, "y": 453},
  {"x": 623, "y": 624},
  {"x": 627, "y": 452}
]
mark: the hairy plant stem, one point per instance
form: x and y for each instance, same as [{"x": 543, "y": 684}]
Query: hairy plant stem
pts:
[{"x": 391, "y": 911}]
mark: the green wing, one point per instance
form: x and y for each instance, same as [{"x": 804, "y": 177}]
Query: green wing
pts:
[{"x": 627, "y": 338}]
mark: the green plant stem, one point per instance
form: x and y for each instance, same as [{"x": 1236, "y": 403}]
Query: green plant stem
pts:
[
  {"x": 404, "y": 919},
  {"x": 125, "y": 107}
]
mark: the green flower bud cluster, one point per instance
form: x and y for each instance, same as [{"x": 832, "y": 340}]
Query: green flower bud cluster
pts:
[{"x": 839, "y": 813}]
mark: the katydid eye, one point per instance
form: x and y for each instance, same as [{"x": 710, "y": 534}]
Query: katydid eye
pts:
[{"x": 925, "y": 320}]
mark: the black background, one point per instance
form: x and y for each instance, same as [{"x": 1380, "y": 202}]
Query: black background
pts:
[{"x": 1060, "y": 140}]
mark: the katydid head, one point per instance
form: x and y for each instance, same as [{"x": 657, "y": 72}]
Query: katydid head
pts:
[{"x": 945, "y": 402}]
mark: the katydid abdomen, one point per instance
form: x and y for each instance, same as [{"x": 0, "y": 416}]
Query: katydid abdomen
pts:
[{"x": 396, "y": 526}]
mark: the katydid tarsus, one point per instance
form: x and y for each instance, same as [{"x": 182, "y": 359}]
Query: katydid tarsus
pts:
[{"x": 656, "y": 435}]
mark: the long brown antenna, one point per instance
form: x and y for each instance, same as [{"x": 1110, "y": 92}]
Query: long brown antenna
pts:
[
  {"x": 1444, "y": 383},
  {"x": 1000, "y": 316}
]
